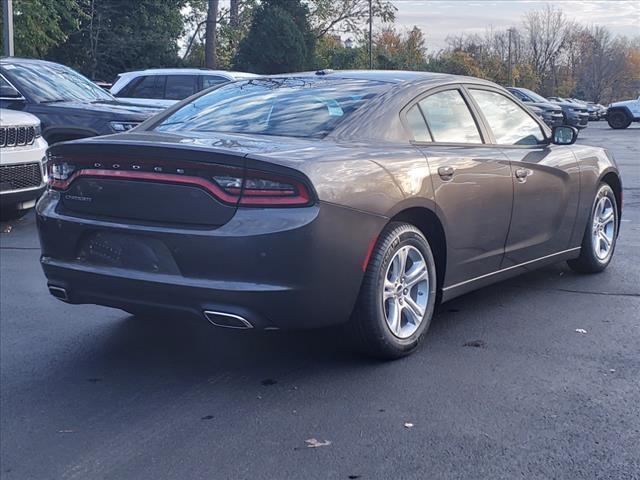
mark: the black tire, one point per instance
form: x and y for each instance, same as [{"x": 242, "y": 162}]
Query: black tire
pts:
[
  {"x": 618, "y": 119},
  {"x": 368, "y": 324},
  {"x": 11, "y": 213},
  {"x": 589, "y": 261}
]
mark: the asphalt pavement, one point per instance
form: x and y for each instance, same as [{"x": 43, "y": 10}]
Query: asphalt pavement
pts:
[{"x": 504, "y": 387}]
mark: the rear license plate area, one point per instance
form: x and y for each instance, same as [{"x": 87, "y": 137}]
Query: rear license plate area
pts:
[{"x": 127, "y": 251}]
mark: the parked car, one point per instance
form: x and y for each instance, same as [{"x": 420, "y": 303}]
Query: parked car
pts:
[
  {"x": 166, "y": 86},
  {"x": 305, "y": 200},
  {"x": 601, "y": 110},
  {"x": 621, "y": 114},
  {"x": 592, "y": 110},
  {"x": 69, "y": 105},
  {"x": 573, "y": 115},
  {"x": 22, "y": 155},
  {"x": 550, "y": 114}
]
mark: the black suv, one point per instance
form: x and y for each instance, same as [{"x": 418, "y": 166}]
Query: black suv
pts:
[{"x": 68, "y": 105}]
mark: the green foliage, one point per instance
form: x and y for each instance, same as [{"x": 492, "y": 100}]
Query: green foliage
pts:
[
  {"x": 40, "y": 25},
  {"x": 279, "y": 39},
  {"x": 330, "y": 53},
  {"x": 116, "y": 36}
]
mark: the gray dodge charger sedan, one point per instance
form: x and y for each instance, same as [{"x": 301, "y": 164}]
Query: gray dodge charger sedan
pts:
[{"x": 313, "y": 199}]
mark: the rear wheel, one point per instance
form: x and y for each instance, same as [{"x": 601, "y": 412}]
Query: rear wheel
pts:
[
  {"x": 600, "y": 236},
  {"x": 618, "y": 119},
  {"x": 398, "y": 293}
]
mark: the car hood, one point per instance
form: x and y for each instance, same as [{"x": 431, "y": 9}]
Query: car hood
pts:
[
  {"x": 623, "y": 103},
  {"x": 110, "y": 107},
  {"x": 545, "y": 105},
  {"x": 14, "y": 117}
]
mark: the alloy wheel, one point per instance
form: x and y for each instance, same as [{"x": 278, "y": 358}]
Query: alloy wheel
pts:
[
  {"x": 603, "y": 228},
  {"x": 405, "y": 291}
]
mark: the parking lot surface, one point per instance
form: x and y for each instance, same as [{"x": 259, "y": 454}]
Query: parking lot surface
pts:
[{"x": 505, "y": 385}]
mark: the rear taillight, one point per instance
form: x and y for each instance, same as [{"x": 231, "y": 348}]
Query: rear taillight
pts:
[
  {"x": 231, "y": 185},
  {"x": 264, "y": 189}
]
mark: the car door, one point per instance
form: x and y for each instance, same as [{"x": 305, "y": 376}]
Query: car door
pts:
[
  {"x": 546, "y": 178},
  {"x": 471, "y": 181}
]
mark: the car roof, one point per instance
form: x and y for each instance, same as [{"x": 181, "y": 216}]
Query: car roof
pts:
[
  {"x": 187, "y": 71},
  {"x": 10, "y": 60},
  {"x": 389, "y": 76}
]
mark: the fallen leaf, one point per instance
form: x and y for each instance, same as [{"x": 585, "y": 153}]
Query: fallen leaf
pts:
[
  {"x": 408, "y": 425},
  {"x": 315, "y": 443},
  {"x": 581, "y": 330},
  {"x": 6, "y": 228},
  {"x": 475, "y": 343}
]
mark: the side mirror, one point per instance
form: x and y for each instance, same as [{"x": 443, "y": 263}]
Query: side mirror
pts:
[
  {"x": 7, "y": 91},
  {"x": 564, "y": 135}
]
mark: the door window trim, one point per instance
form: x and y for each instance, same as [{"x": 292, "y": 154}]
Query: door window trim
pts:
[
  {"x": 480, "y": 125},
  {"x": 543, "y": 127}
]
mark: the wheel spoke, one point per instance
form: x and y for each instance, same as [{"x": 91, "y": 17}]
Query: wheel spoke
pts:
[
  {"x": 402, "y": 259},
  {"x": 416, "y": 275},
  {"x": 416, "y": 311},
  {"x": 607, "y": 218},
  {"x": 605, "y": 240},
  {"x": 395, "y": 314}
]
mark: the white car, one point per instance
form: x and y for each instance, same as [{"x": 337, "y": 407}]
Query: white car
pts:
[
  {"x": 163, "y": 87},
  {"x": 23, "y": 175},
  {"x": 621, "y": 114}
]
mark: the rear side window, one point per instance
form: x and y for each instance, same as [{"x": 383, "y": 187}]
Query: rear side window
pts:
[
  {"x": 449, "y": 118},
  {"x": 209, "y": 81},
  {"x": 149, "y": 86},
  {"x": 417, "y": 125},
  {"x": 180, "y": 87},
  {"x": 510, "y": 124}
]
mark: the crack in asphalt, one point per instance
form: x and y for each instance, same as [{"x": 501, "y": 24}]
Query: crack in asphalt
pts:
[{"x": 583, "y": 292}]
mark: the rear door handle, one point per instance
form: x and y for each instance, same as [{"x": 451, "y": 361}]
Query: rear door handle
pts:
[{"x": 446, "y": 173}]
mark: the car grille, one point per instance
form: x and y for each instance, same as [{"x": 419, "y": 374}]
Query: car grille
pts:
[
  {"x": 18, "y": 177},
  {"x": 16, "y": 136}
]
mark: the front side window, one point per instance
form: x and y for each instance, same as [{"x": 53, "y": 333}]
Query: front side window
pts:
[
  {"x": 510, "y": 124},
  {"x": 449, "y": 118},
  {"x": 180, "y": 87},
  {"x": 50, "y": 82},
  {"x": 292, "y": 106}
]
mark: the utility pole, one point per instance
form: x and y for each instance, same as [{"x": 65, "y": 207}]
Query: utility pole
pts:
[
  {"x": 7, "y": 16},
  {"x": 370, "y": 34},
  {"x": 510, "y": 81}
]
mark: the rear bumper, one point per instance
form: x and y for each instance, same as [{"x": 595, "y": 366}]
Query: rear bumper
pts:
[{"x": 277, "y": 268}]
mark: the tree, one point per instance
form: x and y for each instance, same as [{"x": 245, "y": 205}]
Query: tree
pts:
[
  {"x": 546, "y": 33},
  {"x": 279, "y": 40},
  {"x": 40, "y": 25},
  {"x": 210, "y": 58},
  {"x": 111, "y": 40},
  {"x": 347, "y": 16}
]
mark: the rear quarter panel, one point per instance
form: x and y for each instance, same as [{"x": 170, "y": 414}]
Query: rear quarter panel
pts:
[{"x": 594, "y": 163}]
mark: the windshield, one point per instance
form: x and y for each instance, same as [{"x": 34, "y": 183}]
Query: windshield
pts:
[
  {"x": 294, "y": 107},
  {"x": 534, "y": 96},
  {"x": 46, "y": 82}
]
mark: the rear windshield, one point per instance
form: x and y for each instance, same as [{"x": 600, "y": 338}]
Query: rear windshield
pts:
[{"x": 293, "y": 107}]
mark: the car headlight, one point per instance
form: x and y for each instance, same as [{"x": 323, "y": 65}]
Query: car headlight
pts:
[
  {"x": 123, "y": 126},
  {"x": 38, "y": 130}
]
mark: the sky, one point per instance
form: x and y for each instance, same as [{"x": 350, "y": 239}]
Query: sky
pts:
[{"x": 439, "y": 18}]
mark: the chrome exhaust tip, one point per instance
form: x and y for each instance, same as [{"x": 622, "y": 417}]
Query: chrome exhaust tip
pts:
[
  {"x": 59, "y": 292},
  {"x": 227, "y": 320}
]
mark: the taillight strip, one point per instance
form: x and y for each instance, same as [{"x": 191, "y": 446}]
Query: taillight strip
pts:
[
  {"x": 262, "y": 197},
  {"x": 149, "y": 176}
]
